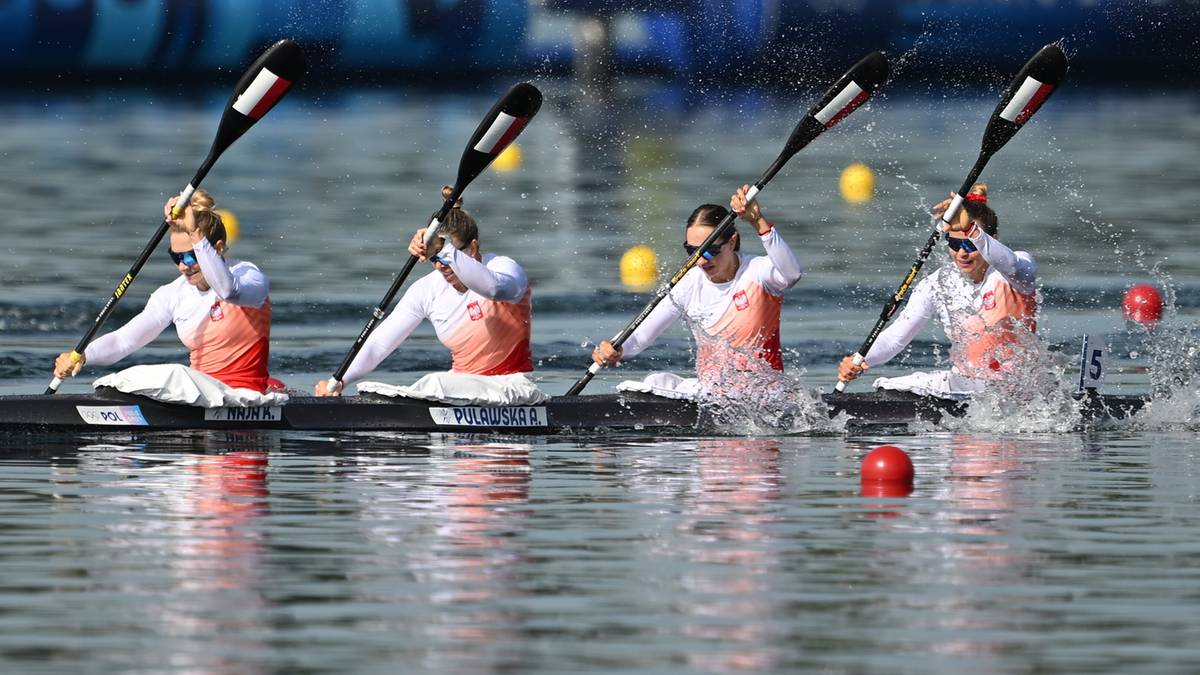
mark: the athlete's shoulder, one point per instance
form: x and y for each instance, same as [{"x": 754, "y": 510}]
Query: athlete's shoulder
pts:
[
  {"x": 759, "y": 264},
  {"x": 500, "y": 262},
  {"x": 942, "y": 275},
  {"x": 428, "y": 283},
  {"x": 236, "y": 265},
  {"x": 688, "y": 284},
  {"x": 175, "y": 288},
  {"x": 946, "y": 278},
  {"x": 172, "y": 293}
]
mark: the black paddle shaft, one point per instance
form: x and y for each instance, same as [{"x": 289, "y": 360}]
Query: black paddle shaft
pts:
[
  {"x": 264, "y": 84},
  {"x": 381, "y": 309},
  {"x": 1036, "y": 81},
  {"x": 496, "y": 131},
  {"x": 843, "y": 98},
  {"x": 894, "y": 301}
]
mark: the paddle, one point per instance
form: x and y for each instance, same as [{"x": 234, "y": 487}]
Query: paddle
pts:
[
  {"x": 265, "y": 82},
  {"x": 499, "y": 128},
  {"x": 842, "y": 99},
  {"x": 1027, "y": 92}
]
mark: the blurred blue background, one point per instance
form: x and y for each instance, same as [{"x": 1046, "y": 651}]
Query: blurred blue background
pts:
[{"x": 711, "y": 38}]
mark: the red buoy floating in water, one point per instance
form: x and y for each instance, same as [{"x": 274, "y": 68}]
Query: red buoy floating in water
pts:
[
  {"x": 887, "y": 463},
  {"x": 1143, "y": 304}
]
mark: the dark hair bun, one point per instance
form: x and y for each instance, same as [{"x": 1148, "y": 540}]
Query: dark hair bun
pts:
[{"x": 447, "y": 191}]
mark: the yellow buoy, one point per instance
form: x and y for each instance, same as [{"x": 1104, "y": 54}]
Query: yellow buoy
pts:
[
  {"x": 231, "y": 225},
  {"x": 857, "y": 183},
  {"x": 639, "y": 268},
  {"x": 509, "y": 160}
]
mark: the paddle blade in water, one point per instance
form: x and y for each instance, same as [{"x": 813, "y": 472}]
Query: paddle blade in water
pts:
[
  {"x": 1040, "y": 77},
  {"x": 498, "y": 129}
]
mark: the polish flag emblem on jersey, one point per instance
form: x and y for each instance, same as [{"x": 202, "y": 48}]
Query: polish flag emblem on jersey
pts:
[
  {"x": 266, "y": 89},
  {"x": 475, "y": 312},
  {"x": 989, "y": 300},
  {"x": 740, "y": 300},
  {"x": 215, "y": 313}
]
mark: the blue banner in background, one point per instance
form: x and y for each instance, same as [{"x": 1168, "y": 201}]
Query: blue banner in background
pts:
[
  {"x": 66, "y": 37},
  {"x": 53, "y": 38}
]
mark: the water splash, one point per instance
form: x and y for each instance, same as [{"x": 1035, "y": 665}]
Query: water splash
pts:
[
  {"x": 1173, "y": 348},
  {"x": 1033, "y": 398},
  {"x": 745, "y": 396},
  {"x": 1029, "y": 392}
]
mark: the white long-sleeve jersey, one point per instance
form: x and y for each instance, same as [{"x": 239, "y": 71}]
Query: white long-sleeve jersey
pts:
[
  {"x": 980, "y": 320},
  {"x": 227, "y": 328},
  {"x": 742, "y": 313},
  {"x": 487, "y": 328}
]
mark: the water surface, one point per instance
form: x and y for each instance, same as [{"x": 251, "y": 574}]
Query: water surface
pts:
[{"x": 262, "y": 552}]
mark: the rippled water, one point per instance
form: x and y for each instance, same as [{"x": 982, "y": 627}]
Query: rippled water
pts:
[
  {"x": 456, "y": 554},
  {"x": 329, "y": 188},
  {"x": 273, "y": 552}
]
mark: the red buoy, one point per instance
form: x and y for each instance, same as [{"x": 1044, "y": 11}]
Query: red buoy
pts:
[
  {"x": 887, "y": 463},
  {"x": 1143, "y": 304}
]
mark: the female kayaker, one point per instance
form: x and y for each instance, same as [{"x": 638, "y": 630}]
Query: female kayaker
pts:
[
  {"x": 731, "y": 299},
  {"x": 986, "y": 301},
  {"x": 480, "y": 307},
  {"x": 219, "y": 307}
]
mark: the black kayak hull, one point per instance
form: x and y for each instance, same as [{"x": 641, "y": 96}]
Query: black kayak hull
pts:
[{"x": 109, "y": 410}]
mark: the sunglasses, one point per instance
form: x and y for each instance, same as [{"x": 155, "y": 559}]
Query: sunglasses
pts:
[
  {"x": 186, "y": 258},
  {"x": 960, "y": 244},
  {"x": 446, "y": 261},
  {"x": 709, "y": 253}
]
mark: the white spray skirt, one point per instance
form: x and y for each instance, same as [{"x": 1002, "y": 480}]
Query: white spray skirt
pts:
[
  {"x": 176, "y": 383},
  {"x": 463, "y": 389},
  {"x": 941, "y": 383}
]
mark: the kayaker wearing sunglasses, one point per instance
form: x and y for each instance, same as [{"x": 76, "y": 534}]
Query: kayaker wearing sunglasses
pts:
[
  {"x": 219, "y": 307},
  {"x": 987, "y": 303},
  {"x": 480, "y": 307},
  {"x": 731, "y": 299}
]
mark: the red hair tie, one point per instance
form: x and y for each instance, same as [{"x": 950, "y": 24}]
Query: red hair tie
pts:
[{"x": 976, "y": 197}]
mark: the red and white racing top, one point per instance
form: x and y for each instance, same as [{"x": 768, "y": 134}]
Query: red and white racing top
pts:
[
  {"x": 984, "y": 322},
  {"x": 742, "y": 313},
  {"x": 487, "y": 328},
  {"x": 227, "y": 328}
]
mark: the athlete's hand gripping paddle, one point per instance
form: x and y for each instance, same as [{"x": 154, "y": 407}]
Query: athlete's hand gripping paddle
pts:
[
  {"x": 1028, "y": 91},
  {"x": 265, "y": 82},
  {"x": 498, "y": 129},
  {"x": 846, "y": 95}
]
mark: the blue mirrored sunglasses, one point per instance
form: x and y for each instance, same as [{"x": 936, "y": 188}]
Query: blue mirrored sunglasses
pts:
[
  {"x": 709, "y": 253},
  {"x": 187, "y": 257},
  {"x": 960, "y": 243},
  {"x": 446, "y": 261}
]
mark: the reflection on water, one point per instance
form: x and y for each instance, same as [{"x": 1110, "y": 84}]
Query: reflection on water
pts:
[
  {"x": 179, "y": 537},
  {"x": 728, "y": 544},
  {"x": 245, "y": 552},
  {"x": 457, "y": 554}
]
